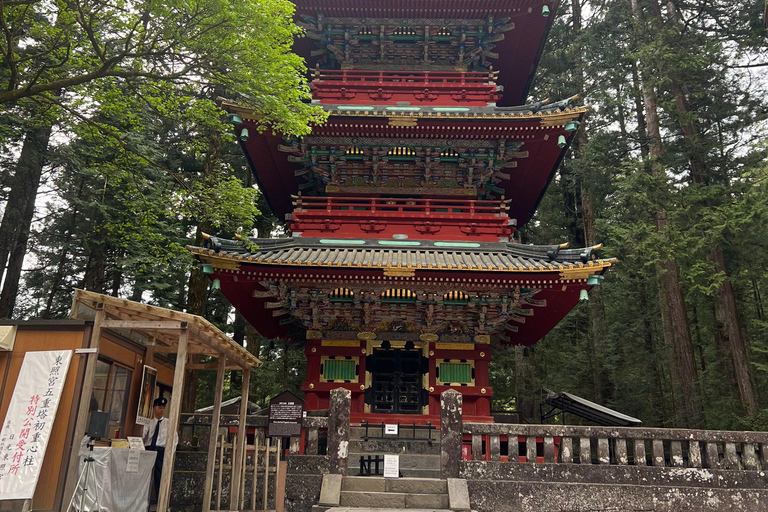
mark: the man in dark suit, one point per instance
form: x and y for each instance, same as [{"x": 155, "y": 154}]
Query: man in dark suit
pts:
[{"x": 155, "y": 437}]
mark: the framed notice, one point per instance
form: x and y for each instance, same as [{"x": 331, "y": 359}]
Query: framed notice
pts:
[
  {"x": 286, "y": 415},
  {"x": 29, "y": 421},
  {"x": 146, "y": 397}
]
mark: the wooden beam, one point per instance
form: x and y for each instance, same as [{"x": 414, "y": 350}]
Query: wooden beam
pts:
[
  {"x": 164, "y": 494},
  {"x": 83, "y": 416},
  {"x": 144, "y": 325},
  {"x": 242, "y": 430},
  {"x": 212, "y": 366},
  {"x": 211, "y": 465}
]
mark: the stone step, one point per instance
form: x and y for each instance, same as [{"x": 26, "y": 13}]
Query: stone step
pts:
[
  {"x": 404, "y": 432},
  {"x": 407, "y": 460},
  {"x": 400, "y": 485},
  {"x": 393, "y": 500},
  {"x": 395, "y": 446},
  {"x": 368, "y": 509}
]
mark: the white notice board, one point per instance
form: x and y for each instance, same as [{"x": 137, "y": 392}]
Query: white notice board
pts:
[
  {"x": 28, "y": 423},
  {"x": 391, "y": 466}
]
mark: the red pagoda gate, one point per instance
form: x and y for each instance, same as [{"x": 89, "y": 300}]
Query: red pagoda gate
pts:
[{"x": 403, "y": 268}]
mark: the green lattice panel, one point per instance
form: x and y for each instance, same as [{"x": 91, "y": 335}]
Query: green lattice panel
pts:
[
  {"x": 458, "y": 373},
  {"x": 339, "y": 369}
]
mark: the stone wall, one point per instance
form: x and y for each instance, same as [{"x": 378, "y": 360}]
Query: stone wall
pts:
[
  {"x": 543, "y": 468},
  {"x": 303, "y": 479},
  {"x": 531, "y": 487}
]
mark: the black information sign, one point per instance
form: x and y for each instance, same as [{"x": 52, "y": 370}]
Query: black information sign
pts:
[{"x": 286, "y": 415}]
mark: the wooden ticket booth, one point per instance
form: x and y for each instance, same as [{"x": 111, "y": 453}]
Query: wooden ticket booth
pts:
[{"x": 112, "y": 340}]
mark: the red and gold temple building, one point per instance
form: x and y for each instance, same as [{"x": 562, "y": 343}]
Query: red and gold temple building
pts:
[{"x": 403, "y": 269}]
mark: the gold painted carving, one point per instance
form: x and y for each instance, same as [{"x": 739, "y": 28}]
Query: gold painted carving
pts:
[
  {"x": 340, "y": 343},
  {"x": 428, "y": 337},
  {"x": 402, "y": 121},
  {"x": 399, "y": 272},
  {"x": 366, "y": 335},
  {"x": 483, "y": 338},
  {"x": 221, "y": 263},
  {"x": 314, "y": 335},
  {"x": 455, "y": 346}
]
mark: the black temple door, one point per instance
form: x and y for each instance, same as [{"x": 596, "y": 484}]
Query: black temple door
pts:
[{"x": 396, "y": 381}]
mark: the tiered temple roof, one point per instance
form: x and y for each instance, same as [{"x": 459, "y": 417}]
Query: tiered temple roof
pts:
[{"x": 353, "y": 285}]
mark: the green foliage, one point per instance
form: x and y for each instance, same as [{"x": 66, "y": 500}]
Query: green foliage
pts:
[{"x": 631, "y": 368}]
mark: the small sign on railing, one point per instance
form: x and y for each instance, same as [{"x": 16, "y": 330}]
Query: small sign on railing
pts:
[{"x": 391, "y": 429}]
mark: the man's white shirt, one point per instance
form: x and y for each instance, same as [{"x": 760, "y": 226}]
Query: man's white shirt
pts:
[{"x": 162, "y": 434}]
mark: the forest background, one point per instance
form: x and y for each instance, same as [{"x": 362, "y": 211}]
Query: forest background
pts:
[{"x": 114, "y": 156}]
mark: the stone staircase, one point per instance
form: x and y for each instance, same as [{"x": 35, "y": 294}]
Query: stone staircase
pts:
[
  {"x": 377, "y": 492},
  {"x": 370, "y": 493},
  {"x": 418, "y": 459}
]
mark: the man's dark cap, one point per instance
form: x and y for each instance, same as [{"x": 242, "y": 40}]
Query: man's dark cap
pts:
[{"x": 160, "y": 402}]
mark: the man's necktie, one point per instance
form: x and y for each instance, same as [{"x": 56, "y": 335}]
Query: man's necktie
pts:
[{"x": 153, "y": 444}]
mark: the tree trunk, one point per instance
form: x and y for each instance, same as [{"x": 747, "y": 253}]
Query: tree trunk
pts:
[
  {"x": 658, "y": 404},
  {"x": 253, "y": 341},
  {"x": 673, "y": 311},
  {"x": 727, "y": 315},
  {"x": 726, "y": 310},
  {"x": 596, "y": 307},
  {"x": 95, "y": 278},
  {"x": 17, "y": 220},
  {"x": 198, "y": 282},
  {"x": 524, "y": 400}
]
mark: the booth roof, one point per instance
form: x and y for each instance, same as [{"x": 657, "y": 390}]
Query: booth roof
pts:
[{"x": 148, "y": 325}]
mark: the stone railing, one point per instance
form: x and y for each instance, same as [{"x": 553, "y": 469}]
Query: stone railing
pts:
[{"x": 621, "y": 446}]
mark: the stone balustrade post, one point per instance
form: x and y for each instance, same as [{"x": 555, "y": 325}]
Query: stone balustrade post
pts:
[
  {"x": 338, "y": 430},
  {"x": 451, "y": 426}
]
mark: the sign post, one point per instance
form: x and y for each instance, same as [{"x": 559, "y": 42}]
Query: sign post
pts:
[
  {"x": 29, "y": 421},
  {"x": 286, "y": 415}
]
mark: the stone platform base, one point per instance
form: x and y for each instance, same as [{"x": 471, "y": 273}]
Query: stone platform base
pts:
[{"x": 504, "y": 487}]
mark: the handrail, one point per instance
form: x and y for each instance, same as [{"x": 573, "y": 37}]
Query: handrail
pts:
[
  {"x": 426, "y": 78},
  {"x": 730, "y": 450},
  {"x": 345, "y": 205}
]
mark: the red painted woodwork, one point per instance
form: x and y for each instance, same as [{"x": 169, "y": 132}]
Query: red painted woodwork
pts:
[
  {"x": 363, "y": 87},
  {"x": 528, "y": 179},
  {"x": 425, "y": 219},
  {"x": 238, "y": 287},
  {"x": 519, "y": 51},
  {"x": 433, "y": 195}
]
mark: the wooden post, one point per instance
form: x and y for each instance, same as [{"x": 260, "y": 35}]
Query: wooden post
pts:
[
  {"x": 266, "y": 472},
  {"x": 164, "y": 494},
  {"x": 255, "y": 471},
  {"x": 221, "y": 473},
  {"x": 81, "y": 425},
  {"x": 239, "y": 451},
  {"x": 277, "y": 469},
  {"x": 214, "y": 435}
]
